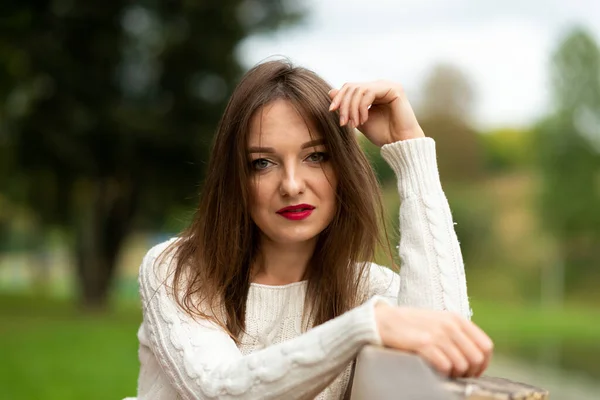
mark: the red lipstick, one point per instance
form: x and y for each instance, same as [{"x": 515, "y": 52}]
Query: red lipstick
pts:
[{"x": 296, "y": 212}]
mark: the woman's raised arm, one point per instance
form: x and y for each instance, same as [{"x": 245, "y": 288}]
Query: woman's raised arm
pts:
[
  {"x": 432, "y": 273},
  {"x": 432, "y": 278}
]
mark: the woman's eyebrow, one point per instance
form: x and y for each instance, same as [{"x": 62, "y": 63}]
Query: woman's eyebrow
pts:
[
  {"x": 261, "y": 150},
  {"x": 312, "y": 143}
]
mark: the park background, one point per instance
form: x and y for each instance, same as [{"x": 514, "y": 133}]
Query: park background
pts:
[{"x": 107, "y": 111}]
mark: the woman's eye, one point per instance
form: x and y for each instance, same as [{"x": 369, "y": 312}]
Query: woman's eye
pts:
[
  {"x": 317, "y": 157},
  {"x": 260, "y": 163}
]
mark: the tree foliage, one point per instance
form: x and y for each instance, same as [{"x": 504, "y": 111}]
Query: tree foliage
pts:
[
  {"x": 109, "y": 109},
  {"x": 445, "y": 115},
  {"x": 507, "y": 149},
  {"x": 568, "y": 156}
]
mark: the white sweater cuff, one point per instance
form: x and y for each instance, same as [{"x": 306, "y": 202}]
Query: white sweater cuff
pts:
[
  {"x": 415, "y": 165},
  {"x": 360, "y": 327},
  {"x": 371, "y": 320}
]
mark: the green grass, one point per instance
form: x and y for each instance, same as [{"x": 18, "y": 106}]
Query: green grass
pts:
[
  {"x": 530, "y": 325},
  {"x": 571, "y": 334},
  {"x": 49, "y": 350}
]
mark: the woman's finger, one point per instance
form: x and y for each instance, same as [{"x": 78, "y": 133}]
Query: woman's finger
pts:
[
  {"x": 481, "y": 340},
  {"x": 355, "y": 106},
  {"x": 479, "y": 337},
  {"x": 386, "y": 92},
  {"x": 365, "y": 102},
  {"x": 460, "y": 365},
  {"x": 337, "y": 97},
  {"x": 332, "y": 93},
  {"x": 472, "y": 353},
  {"x": 437, "y": 359},
  {"x": 345, "y": 104},
  {"x": 484, "y": 365}
]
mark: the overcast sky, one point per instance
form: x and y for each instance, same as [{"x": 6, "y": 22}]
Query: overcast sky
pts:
[{"x": 503, "y": 46}]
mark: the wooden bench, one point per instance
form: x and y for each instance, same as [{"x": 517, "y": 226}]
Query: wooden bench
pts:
[{"x": 385, "y": 374}]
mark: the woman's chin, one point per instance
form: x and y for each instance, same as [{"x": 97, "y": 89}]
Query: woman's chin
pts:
[{"x": 297, "y": 236}]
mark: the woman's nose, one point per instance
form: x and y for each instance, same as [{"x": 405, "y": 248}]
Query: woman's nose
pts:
[{"x": 292, "y": 182}]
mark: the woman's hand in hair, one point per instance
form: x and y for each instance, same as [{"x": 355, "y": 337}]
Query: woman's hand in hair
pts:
[
  {"x": 452, "y": 344},
  {"x": 379, "y": 109}
]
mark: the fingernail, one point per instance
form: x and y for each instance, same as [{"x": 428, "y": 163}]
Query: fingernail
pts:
[{"x": 332, "y": 106}]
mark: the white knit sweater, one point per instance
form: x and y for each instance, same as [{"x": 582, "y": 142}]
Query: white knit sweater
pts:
[{"x": 184, "y": 359}]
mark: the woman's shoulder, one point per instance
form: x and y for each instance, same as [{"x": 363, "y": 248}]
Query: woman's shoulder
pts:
[
  {"x": 158, "y": 249},
  {"x": 156, "y": 262}
]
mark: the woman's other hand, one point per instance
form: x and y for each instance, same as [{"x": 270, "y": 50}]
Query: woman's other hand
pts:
[
  {"x": 451, "y": 344},
  {"x": 379, "y": 109}
]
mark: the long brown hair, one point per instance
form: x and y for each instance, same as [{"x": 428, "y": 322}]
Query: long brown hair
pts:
[{"x": 214, "y": 255}]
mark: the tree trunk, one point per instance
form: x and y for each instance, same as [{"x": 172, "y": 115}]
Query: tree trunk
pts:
[{"x": 103, "y": 226}]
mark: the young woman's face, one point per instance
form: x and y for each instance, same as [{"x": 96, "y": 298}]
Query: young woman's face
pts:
[{"x": 293, "y": 184}]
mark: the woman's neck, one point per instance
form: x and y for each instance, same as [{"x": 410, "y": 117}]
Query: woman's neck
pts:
[{"x": 281, "y": 264}]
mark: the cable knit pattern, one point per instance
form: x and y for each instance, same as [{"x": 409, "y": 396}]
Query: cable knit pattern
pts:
[
  {"x": 202, "y": 362},
  {"x": 434, "y": 276},
  {"x": 185, "y": 358}
]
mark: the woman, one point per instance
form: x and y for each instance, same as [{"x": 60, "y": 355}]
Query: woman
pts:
[{"x": 270, "y": 293}]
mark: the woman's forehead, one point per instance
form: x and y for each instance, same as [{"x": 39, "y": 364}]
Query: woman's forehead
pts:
[{"x": 279, "y": 123}]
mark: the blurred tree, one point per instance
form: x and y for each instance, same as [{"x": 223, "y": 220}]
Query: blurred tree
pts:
[
  {"x": 110, "y": 107},
  {"x": 445, "y": 113},
  {"x": 448, "y": 92},
  {"x": 507, "y": 149},
  {"x": 568, "y": 148}
]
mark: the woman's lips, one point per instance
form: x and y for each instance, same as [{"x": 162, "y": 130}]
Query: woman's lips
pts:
[
  {"x": 297, "y": 212},
  {"x": 296, "y": 215}
]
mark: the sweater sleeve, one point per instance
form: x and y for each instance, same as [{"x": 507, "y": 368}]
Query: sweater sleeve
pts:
[
  {"x": 201, "y": 361},
  {"x": 432, "y": 272}
]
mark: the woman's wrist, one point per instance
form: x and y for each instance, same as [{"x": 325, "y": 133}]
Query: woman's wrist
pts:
[
  {"x": 382, "y": 318},
  {"x": 415, "y": 133}
]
